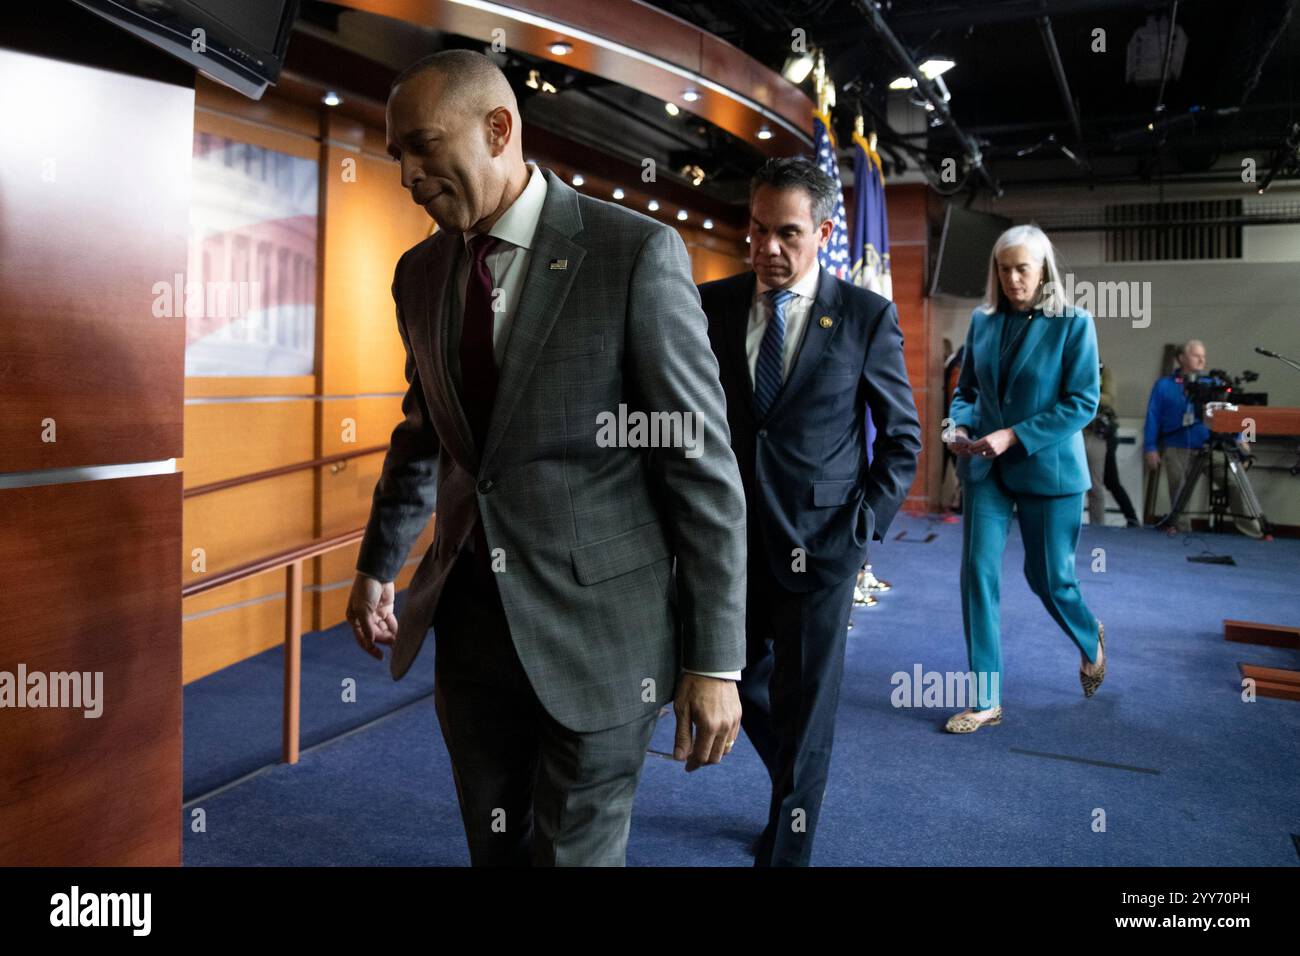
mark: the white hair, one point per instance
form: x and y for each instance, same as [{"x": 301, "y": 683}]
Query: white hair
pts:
[{"x": 1051, "y": 294}]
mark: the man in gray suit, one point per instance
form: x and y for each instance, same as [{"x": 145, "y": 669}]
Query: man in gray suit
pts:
[{"x": 581, "y": 574}]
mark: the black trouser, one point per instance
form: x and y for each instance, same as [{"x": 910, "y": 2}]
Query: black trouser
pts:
[
  {"x": 789, "y": 692},
  {"x": 530, "y": 789},
  {"x": 1111, "y": 480}
]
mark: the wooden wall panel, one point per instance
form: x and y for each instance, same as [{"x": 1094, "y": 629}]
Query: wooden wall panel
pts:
[
  {"x": 907, "y": 246},
  {"x": 228, "y": 439},
  {"x": 368, "y": 224},
  {"x": 92, "y": 570},
  {"x": 246, "y": 522},
  {"x": 234, "y": 633},
  {"x": 85, "y": 234}
]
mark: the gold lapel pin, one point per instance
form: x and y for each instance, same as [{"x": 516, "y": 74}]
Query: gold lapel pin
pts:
[
  {"x": 826, "y": 322},
  {"x": 559, "y": 263}
]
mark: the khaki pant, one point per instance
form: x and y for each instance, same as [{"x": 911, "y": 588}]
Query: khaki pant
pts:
[{"x": 1095, "y": 447}]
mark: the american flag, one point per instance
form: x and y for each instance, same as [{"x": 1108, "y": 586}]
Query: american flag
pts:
[{"x": 835, "y": 256}]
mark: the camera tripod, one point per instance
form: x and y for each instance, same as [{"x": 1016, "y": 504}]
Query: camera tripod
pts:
[{"x": 1232, "y": 473}]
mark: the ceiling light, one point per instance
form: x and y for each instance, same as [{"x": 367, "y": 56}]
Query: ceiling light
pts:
[
  {"x": 577, "y": 179},
  {"x": 672, "y": 109},
  {"x": 690, "y": 95},
  {"x": 797, "y": 68},
  {"x": 902, "y": 83},
  {"x": 652, "y": 205},
  {"x": 708, "y": 224},
  {"x": 936, "y": 66},
  {"x": 764, "y": 132},
  {"x": 331, "y": 98},
  {"x": 681, "y": 215},
  {"x": 618, "y": 192},
  {"x": 561, "y": 48}
]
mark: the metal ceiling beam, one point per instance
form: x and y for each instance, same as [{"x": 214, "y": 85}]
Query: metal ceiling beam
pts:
[{"x": 878, "y": 25}]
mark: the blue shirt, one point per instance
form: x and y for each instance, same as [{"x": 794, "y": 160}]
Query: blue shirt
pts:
[{"x": 1167, "y": 409}]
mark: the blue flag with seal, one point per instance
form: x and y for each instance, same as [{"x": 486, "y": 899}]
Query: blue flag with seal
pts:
[{"x": 869, "y": 246}]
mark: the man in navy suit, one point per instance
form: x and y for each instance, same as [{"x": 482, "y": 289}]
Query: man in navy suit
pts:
[{"x": 803, "y": 356}]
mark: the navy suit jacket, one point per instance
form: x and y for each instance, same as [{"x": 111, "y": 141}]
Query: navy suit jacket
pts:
[
  {"x": 1051, "y": 394},
  {"x": 804, "y": 465}
]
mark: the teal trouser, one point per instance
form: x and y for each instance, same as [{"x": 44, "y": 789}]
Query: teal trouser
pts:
[{"x": 1050, "y": 529}]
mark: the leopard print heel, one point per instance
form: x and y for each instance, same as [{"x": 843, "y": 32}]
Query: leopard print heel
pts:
[
  {"x": 967, "y": 724},
  {"x": 1091, "y": 682}
]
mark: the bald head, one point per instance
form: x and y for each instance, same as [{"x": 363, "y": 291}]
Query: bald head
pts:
[
  {"x": 472, "y": 81},
  {"x": 453, "y": 125}
]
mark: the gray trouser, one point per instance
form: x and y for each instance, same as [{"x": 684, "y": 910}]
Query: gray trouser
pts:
[
  {"x": 1175, "y": 461},
  {"x": 531, "y": 791}
]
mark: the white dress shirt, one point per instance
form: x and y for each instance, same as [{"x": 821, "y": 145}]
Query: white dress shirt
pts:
[
  {"x": 508, "y": 262},
  {"x": 797, "y": 311}
]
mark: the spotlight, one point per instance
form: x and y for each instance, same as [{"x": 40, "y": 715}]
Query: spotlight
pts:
[
  {"x": 577, "y": 179},
  {"x": 797, "y": 68},
  {"x": 561, "y": 48},
  {"x": 681, "y": 215},
  {"x": 764, "y": 132},
  {"x": 618, "y": 192},
  {"x": 690, "y": 95},
  {"x": 331, "y": 98},
  {"x": 652, "y": 205},
  {"x": 708, "y": 224}
]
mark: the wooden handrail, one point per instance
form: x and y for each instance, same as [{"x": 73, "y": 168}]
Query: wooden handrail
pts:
[
  {"x": 291, "y": 560},
  {"x": 272, "y": 562},
  {"x": 282, "y": 470}
]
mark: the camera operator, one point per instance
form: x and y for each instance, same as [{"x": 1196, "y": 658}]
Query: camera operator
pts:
[
  {"x": 1173, "y": 429},
  {"x": 1175, "y": 432}
]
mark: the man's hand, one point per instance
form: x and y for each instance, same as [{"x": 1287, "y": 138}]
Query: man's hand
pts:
[
  {"x": 370, "y": 612},
  {"x": 712, "y": 706},
  {"x": 959, "y": 443},
  {"x": 994, "y": 443},
  {"x": 1153, "y": 460}
]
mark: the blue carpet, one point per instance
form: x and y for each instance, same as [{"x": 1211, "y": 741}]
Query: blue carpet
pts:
[{"x": 1165, "y": 766}]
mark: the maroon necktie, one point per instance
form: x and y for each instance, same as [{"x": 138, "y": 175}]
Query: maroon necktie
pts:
[
  {"x": 478, "y": 366},
  {"x": 478, "y": 373}
]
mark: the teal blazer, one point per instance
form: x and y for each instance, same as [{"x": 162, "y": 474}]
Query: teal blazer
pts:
[{"x": 1052, "y": 391}]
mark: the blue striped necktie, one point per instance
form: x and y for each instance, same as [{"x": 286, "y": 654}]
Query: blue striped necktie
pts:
[{"x": 770, "y": 368}]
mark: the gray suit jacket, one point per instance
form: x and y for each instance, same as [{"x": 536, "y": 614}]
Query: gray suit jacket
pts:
[{"x": 590, "y": 535}]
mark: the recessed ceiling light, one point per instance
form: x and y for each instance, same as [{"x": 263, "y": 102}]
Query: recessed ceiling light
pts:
[
  {"x": 671, "y": 109},
  {"x": 652, "y": 205},
  {"x": 690, "y": 95},
  {"x": 797, "y": 68},
  {"x": 708, "y": 224},
  {"x": 681, "y": 215},
  {"x": 331, "y": 98},
  {"x": 561, "y": 48},
  {"x": 577, "y": 179},
  {"x": 764, "y": 132},
  {"x": 618, "y": 192}
]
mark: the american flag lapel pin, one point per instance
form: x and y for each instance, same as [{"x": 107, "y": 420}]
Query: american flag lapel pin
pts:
[{"x": 559, "y": 263}]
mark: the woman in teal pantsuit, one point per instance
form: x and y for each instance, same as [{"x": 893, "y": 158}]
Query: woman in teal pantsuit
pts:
[{"x": 1029, "y": 385}]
